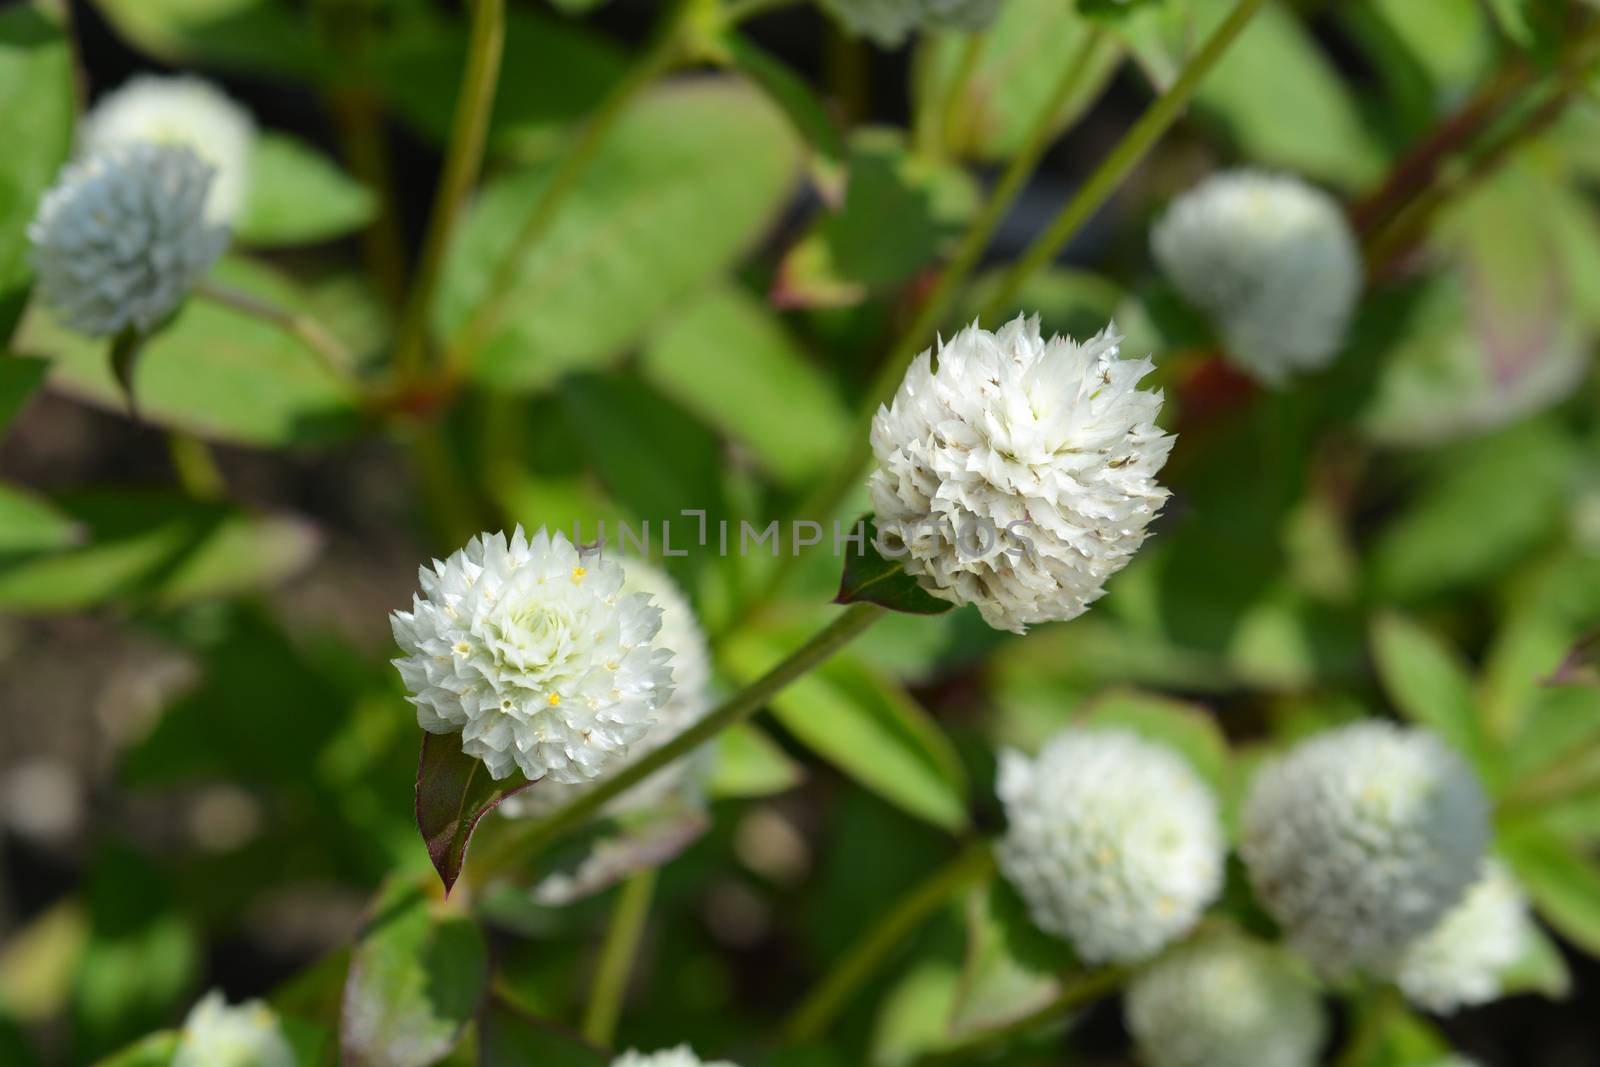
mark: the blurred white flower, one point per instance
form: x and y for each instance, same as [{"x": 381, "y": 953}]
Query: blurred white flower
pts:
[
  {"x": 690, "y": 700},
  {"x": 1360, "y": 840},
  {"x": 1113, "y": 841},
  {"x": 245, "y": 1035},
  {"x": 537, "y": 657},
  {"x": 1272, "y": 261},
  {"x": 122, "y": 237},
  {"x": 1226, "y": 1001},
  {"x": 1461, "y": 961},
  {"x": 890, "y": 22},
  {"x": 1020, "y": 474},
  {"x": 179, "y": 110},
  {"x": 672, "y": 1057}
]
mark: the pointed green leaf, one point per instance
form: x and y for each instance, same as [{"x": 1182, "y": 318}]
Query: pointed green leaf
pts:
[
  {"x": 872, "y": 578},
  {"x": 1564, "y": 883},
  {"x": 1430, "y": 684},
  {"x": 454, "y": 791},
  {"x": 19, "y": 377},
  {"x": 751, "y": 764},
  {"x": 30, "y": 523},
  {"x": 297, "y": 195}
]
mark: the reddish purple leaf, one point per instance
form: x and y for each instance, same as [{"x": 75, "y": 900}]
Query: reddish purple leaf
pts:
[{"x": 454, "y": 791}]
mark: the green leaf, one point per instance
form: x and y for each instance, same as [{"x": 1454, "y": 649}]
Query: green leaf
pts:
[
  {"x": 1561, "y": 723},
  {"x": 690, "y": 178},
  {"x": 1306, "y": 121},
  {"x": 37, "y": 98},
  {"x": 750, "y": 764},
  {"x": 297, "y": 195},
  {"x": 30, "y": 523},
  {"x": 1000, "y": 984},
  {"x": 509, "y": 1038},
  {"x": 417, "y": 976},
  {"x": 155, "y": 1050},
  {"x": 1541, "y": 26},
  {"x": 869, "y": 728},
  {"x": 19, "y": 377},
  {"x": 1449, "y": 38},
  {"x": 155, "y": 548},
  {"x": 1019, "y": 63},
  {"x": 799, "y": 102},
  {"x": 215, "y": 371},
  {"x": 870, "y": 577},
  {"x": 728, "y": 360},
  {"x": 454, "y": 791},
  {"x": 1431, "y": 686},
  {"x": 1563, "y": 882},
  {"x": 252, "y": 35}
]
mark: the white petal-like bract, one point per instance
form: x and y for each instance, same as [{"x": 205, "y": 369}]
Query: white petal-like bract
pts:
[
  {"x": 1113, "y": 841},
  {"x": 1020, "y": 473},
  {"x": 122, "y": 237},
  {"x": 1461, "y": 962},
  {"x": 1226, "y": 1001},
  {"x": 181, "y": 110},
  {"x": 244, "y": 1035},
  {"x": 682, "y": 1056},
  {"x": 691, "y": 699},
  {"x": 535, "y": 655},
  {"x": 890, "y": 22},
  {"x": 1360, "y": 840},
  {"x": 1271, "y": 260}
]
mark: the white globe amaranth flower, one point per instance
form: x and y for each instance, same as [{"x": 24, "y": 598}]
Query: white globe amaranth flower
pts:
[
  {"x": 1271, "y": 261},
  {"x": 1461, "y": 961},
  {"x": 1021, "y": 473},
  {"x": 1113, "y": 841},
  {"x": 179, "y": 110},
  {"x": 1360, "y": 840},
  {"x": 682, "y": 1056},
  {"x": 536, "y": 656},
  {"x": 1226, "y": 1001},
  {"x": 244, "y": 1035},
  {"x": 122, "y": 237},
  {"x": 889, "y": 22},
  {"x": 690, "y": 700}
]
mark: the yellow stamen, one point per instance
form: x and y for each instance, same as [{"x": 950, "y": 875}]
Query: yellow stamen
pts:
[
  {"x": 555, "y": 698},
  {"x": 577, "y": 575}
]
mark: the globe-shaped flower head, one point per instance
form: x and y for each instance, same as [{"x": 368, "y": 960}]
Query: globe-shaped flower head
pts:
[
  {"x": 1113, "y": 841},
  {"x": 890, "y": 22},
  {"x": 1021, "y": 473},
  {"x": 1226, "y": 1001},
  {"x": 181, "y": 110},
  {"x": 690, "y": 700},
  {"x": 122, "y": 237},
  {"x": 1360, "y": 840},
  {"x": 672, "y": 1057},
  {"x": 1462, "y": 961},
  {"x": 1273, "y": 263},
  {"x": 537, "y": 657},
  {"x": 246, "y": 1035}
]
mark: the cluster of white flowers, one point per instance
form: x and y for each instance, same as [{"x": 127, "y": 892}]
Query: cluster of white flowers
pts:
[
  {"x": 689, "y": 702},
  {"x": 245, "y": 1035},
  {"x": 1113, "y": 841},
  {"x": 1360, "y": 840},
  {"x": 1226, "y": 1001},
  {"x": 1272, "y": 261},
  {"x": 682, "y": 1056},
  {"x": 1461, "y": 962},
  {"x": 535, "y": 655},
  {"x": 122, "y": 237},
  {"x": 128, "y": 229},
  {"x": 1020, "y": 473},
  {"x": 182, "y": 110},
  {"x": 890, "y": 22}
]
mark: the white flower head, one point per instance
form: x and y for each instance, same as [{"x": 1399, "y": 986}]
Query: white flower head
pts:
[
  {"x": 1461, "y": 961},
  {"x": 1021, "y": 473},
  {"x": 122, "y": 237},
  {"x": 179, "y": 110},
  {"x": 1361, "y": 839},
  {"x": 536, "y": 656},
  {"x": 690, "y": 700},
  {"x": 681, "y": 1056},
  {"x": 1226, "y": 1001},
  {"x": 1113, "y": 841},
  {"x": 1271, "y": 260},
  {"x": 245, "y": 1035},
  {"x": 890, "y": 22}
]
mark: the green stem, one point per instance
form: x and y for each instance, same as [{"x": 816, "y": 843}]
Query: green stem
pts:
[
  {"x": 662, "y": 54},
  {"x": 814, "y": 1015},
  {"x": 196, "y": 467},
  {"x": 616, "y": 958},
  {"x": 525, "y": 840},
  {"x": 1081, "y": 991},
  {"x": 1133, "y": 147},
  {"x": 464, "y": 159},
  {"x": 328, "y": 349}
]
